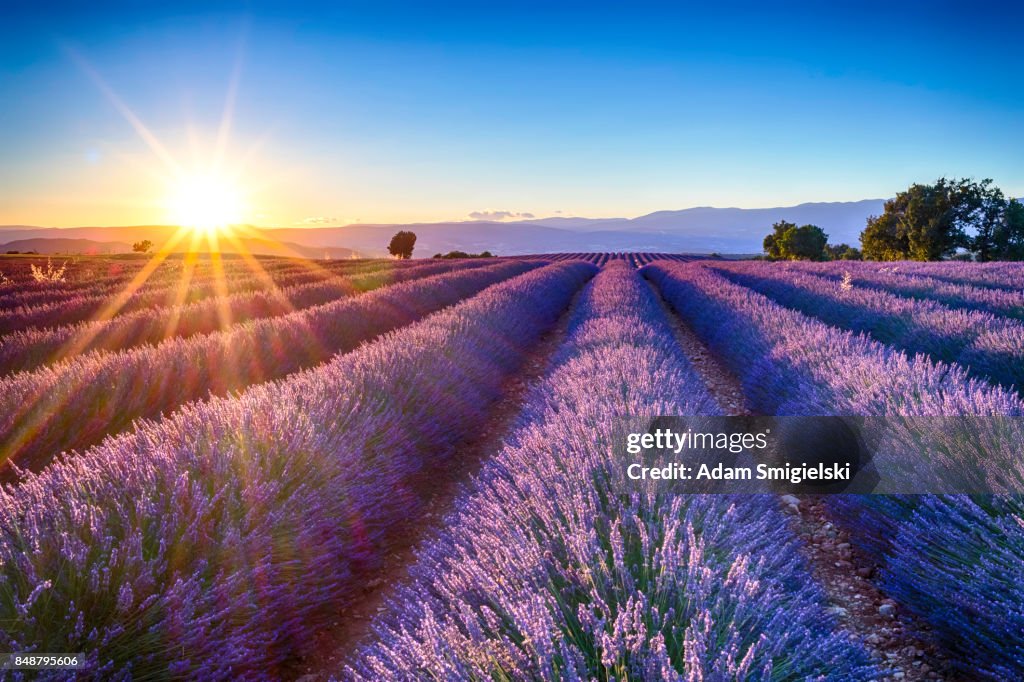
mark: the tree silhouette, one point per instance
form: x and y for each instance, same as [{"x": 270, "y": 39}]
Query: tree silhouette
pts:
[{"x": 402, "y": 244}]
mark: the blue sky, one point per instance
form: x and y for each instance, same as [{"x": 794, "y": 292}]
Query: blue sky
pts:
[{"x": 385, "y": 112}]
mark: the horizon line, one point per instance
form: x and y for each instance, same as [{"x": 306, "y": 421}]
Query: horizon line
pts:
[{"x": 466, "y": 220}]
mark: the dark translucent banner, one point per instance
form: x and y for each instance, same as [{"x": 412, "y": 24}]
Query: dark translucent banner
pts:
[{"x": 864, "y": 455}]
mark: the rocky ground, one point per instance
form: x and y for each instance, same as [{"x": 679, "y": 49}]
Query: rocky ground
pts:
[{"x": 887, "y": 631}]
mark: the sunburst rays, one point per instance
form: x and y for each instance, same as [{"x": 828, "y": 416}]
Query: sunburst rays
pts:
[{"x": 210, "y": 224}]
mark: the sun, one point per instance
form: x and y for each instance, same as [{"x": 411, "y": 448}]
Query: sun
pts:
[{"x": 205, "y": 202}]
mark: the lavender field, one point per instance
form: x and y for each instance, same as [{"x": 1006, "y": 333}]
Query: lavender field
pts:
[{"x": 261, "y": 469}]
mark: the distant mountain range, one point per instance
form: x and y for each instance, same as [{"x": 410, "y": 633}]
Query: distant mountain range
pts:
[
  {"x": 693, "y": 230},
  {"x": 110, "y": 240},
  {"x": 844, "y": 219},
  {"x": 63, "y": 245}
]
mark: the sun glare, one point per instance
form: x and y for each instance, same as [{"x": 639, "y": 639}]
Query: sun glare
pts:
[{"x": 206, "y": 203}]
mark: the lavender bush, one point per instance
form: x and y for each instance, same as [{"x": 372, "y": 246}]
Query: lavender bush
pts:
[
  {"x": 998, "y": 275},
  {"x": 107, "y": 276},
  {"x": 178, "y": 284},
  {"x": 555, "y": 567},
  {"x": 1006, "y": 302},
  {"x": 31, "y": 348},
  {"x": 956, "y": 563},
  {"x": 75, "y": 403},
  {"x": 986, "y": 345},
  {"x": 214, "y": 544},
  {"x": 160, "y": 284},
  {"x": 791, "y": 364}
]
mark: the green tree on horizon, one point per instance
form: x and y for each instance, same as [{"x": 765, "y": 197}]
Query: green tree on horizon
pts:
[
  {"x": 934, "y": 222},
  {"x": 842, "y": 252},
  {"x": 791, "y": 242},
  {"x": 1008, "y": 239}
]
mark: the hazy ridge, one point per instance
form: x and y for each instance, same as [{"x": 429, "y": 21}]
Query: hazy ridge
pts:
[{"x": 695, "y": 230}]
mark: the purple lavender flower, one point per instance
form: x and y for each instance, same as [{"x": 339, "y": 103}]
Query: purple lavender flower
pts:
[
  {"x": 213, "y": 543},
  {"x": 555, "y": 567},
  {"x": 76, "y": 403}
]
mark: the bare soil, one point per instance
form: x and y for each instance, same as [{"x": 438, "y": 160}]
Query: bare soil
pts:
[
  {"x": 722, "y": 384},
  {"x": 862, "y": 609}
]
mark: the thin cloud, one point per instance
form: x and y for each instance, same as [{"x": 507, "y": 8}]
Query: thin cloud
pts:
[
  {"x": 318, "y": 220},
  {"x": 501, "y": 215}
]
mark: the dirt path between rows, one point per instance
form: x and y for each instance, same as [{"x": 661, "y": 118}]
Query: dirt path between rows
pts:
[
  {"x": 332, "y": 649},
  {"x": 886, "y": 631},
  {"x": 722, "y": 384},
  {"x": 844, "y": 574}
]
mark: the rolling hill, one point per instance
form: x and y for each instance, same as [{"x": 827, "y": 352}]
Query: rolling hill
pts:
[{"x": 110, "y": 240}]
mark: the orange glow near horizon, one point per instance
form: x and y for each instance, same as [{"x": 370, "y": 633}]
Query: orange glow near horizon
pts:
[{"x": 208, "y": 206}]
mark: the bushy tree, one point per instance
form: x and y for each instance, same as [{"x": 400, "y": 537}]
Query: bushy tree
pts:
[
  {"x": 773, "y": 242},
  {"x": 842, "y": 252},
  {"x": 881, "y": 239},
  {"x": 463, "y": 254},
  {"x": 402, "y": 244},
  {"x": 918, "y": 224},
  {"x": 932, "y": 222},
  {"x": 142, "y": 247},
  {"x": 1008, "y": 238},
  {"x": 788, "y": 241},
  {"x": 979, "y": 207}
]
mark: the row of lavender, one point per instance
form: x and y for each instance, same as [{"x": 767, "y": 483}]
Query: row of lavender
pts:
[
  {"x": 96, "y": 271},
  {"x": 75, "y": 403},
  {"x": 109, "y": 276},
  {"x": 1007, "y": 302},
  {"x": 601, "y": 258},
  {"x": 988, "y": 346},
  {"x": 955, "y": 562},
  {"x": 78, "y": 272},
  {"x": 213, "y": 545},
  {"x": 555, "y": 567},
  {"x": 640, "y": 259},
  {"x": 999, "y": 275},
  {"x": 54, "y": 307},
  {"x": 30, "y": 348}
]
